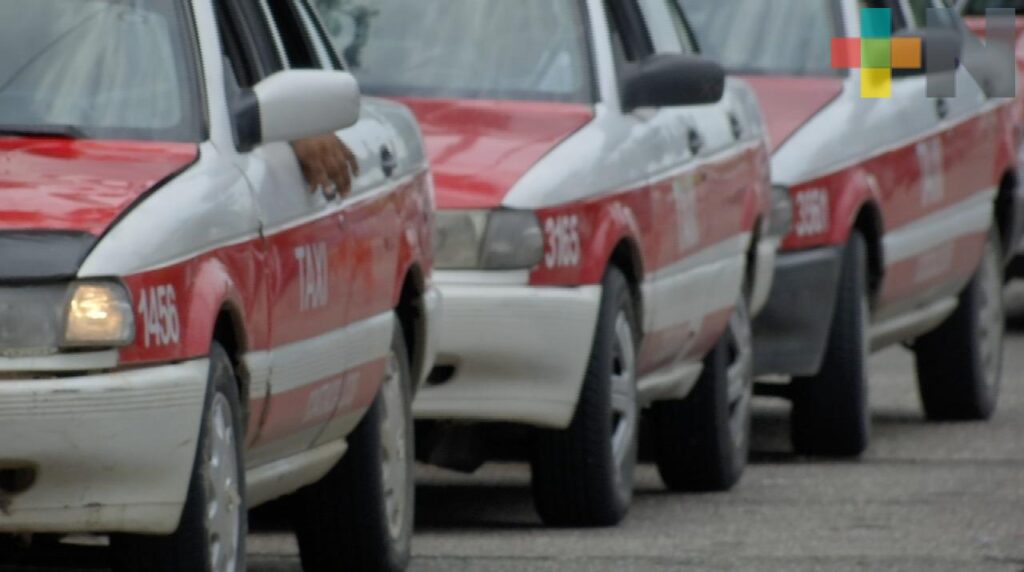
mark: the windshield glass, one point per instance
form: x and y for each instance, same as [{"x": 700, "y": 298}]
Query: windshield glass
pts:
[
  {"x": 482, "y": 49},
  {"x": 96, "y": 68},
  {"x": 778, "y": 37}
]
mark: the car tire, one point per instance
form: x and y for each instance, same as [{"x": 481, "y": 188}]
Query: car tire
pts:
[
  {"x": 360, "y": 515},
  {"x": 583, "y": 475},
  {"x": 959, "y": 365},
  {"x": 702, "y": 443},
  {"x": 831, "y": 415},
  {"x": 212, "y": 532}
]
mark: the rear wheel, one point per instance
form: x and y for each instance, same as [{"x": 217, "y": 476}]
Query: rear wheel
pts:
[
  {"x": 959, "y": 365},
  {"x": 211, "y": 534},
  {"x": 583, "y": 475},
  {"x": 360, "y": 516},
  {"x": 831, "y": 416},
  {"x": 703, "y": 441}
]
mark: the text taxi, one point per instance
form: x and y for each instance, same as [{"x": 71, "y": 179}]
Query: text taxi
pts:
[
  {"x": 603, "y": 234},
  {"x": 185, "y": 330}
]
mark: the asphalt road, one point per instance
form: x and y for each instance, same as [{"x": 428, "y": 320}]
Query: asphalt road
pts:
[{"x": 925, "y": 497}]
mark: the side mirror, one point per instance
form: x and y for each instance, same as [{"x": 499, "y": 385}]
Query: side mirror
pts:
[
  {"x": 673, "y": 80},
  {"x": 295, "y": 104},
  {"x": 941, "y": 52}
]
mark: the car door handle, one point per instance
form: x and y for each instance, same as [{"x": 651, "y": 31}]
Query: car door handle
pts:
[
  {"x": 388, "y": 161},
  {"x": 735, "y": 126},
  {"x": 941, "y": 108},
  {"x": 695, "y": 141}
]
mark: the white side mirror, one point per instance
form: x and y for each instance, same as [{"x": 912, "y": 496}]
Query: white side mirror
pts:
[{"x": 296, "y": 104}]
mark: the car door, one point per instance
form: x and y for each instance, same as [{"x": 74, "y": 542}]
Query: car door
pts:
[
  {"x": 702, "y": 191},
  {"x": 930, "y": 150},
  {"x": 309, "y": 256}
]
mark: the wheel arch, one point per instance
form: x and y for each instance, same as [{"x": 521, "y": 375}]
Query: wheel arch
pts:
[
  {"x": 229, "y": 331},
  {"x": 626, "y": 257},
  {"x": 868, "y": 222},
  {"x": 411, "y": 313},
  {"x": 1006, "y": 209}
]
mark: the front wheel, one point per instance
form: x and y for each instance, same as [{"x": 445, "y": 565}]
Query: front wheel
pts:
[
  {"x": 959, "y": 365},
  {"x": 830, "y": 415},
  {"x": 583, "y": 475},
  {"x": 211, "y": 534},
  {"x": 360, "y": 516},
  {"x": 703, "y": 441}
]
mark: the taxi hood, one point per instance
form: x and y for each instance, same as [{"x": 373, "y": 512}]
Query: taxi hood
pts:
[
  {"x": 790, "y": 101},
  {"x": 58, "y": 196},
  {"x": 480, "y": 149}
]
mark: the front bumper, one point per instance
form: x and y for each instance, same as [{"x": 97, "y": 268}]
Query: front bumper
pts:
[
  {"x": 791, "y": 333},
  {"x": 110, "y": 452},
  {"x": 518, "y": 353}
]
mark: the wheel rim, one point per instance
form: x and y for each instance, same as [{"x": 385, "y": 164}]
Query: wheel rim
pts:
[
  {"x": 740, "y": 376},
  {"x": 624, "y": 410},
  {"x": 990, "y": 326},
  {"x": 394, "y": 448},
  {"x": 224, "y": 500}
]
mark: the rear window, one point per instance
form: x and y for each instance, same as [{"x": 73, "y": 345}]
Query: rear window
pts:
[
  {"x": 776, "y": 37},
  {"x": 477, "y": 49}
]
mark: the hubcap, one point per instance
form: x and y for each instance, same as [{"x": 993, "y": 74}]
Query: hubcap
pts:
[
  {"x": 624, "y": 410},
  {"x": 740, "y": 376},
  {"x": 990, "y": 322},
  {"x": 224, "y": 501},
  {"x": 394, "y": 453}
]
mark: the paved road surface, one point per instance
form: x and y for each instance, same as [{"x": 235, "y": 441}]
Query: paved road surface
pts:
[{"x": 925, "y": 497}]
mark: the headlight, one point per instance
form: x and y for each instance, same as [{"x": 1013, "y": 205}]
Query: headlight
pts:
[
  {"x": 782, "y": 212},
  {"x": 99, "y": 314},
  {"x": 488, "y": 240}
]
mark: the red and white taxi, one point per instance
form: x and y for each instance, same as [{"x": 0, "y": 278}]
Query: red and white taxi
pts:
[
  {"x": 975, "y": 12},
  {"x": 901, "y": 207},
  {"x": 185, "y": 330},
  {"x": 602, "y": 235}
]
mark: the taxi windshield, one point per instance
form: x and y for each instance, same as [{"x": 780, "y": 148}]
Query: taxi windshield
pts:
[
  {"x": 97, "y": 69},
  {"x": 476, "y": 49},
  {"x": 780, "y": 37}
]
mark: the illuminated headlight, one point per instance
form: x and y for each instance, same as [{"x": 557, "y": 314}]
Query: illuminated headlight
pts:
[
  {"x": 488, "y": 240},
  {"x": 99, "y": 314},
  {"x": 782, "y": 212}
]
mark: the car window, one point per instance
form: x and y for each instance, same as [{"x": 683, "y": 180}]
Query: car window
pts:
[
  {"x": 101, "y": 68},
  {"x": 290, "y": 31},
  {"x": 682, "y": 28},
  {"x": 481, "y": 49},
  {"x": 778, "y": 37},
  {"x": 628, "y": 29}
]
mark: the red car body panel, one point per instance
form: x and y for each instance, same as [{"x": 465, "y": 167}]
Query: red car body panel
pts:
[
  {"x": 65, "y": 184},
  {"x": 479, "y": 149},
  {"x": 789, "y": 102}
]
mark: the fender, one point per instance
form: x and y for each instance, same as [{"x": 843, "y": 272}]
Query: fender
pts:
[
  {"x": 213, "y": 290},
  {"x": 580, "y": 239},
  {"x": 846, "y": 193},
  {"x": 176, "y": 309}
]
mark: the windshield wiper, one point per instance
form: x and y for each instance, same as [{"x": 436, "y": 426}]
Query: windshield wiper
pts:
[{"x": 61, "y": 131}]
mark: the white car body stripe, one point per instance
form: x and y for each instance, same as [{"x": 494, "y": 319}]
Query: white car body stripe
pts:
[
  {"x": 971, "y": 216},
  {"x": 320, "y": 358}
]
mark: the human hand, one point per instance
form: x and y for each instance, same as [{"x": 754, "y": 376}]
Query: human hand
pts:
[{"x": 328, "y": 165}]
